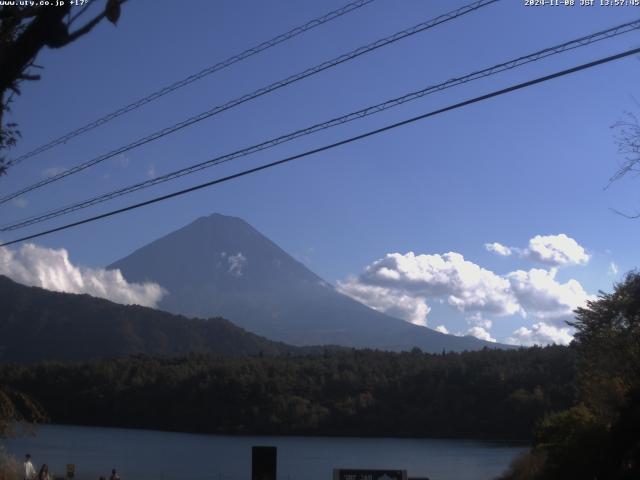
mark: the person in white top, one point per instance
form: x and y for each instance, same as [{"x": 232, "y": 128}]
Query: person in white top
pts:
[{"x": 29, "y": 470}]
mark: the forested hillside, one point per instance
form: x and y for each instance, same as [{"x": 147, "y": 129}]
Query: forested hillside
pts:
[
  {"x": 37, "y": 324},
  {"x": 489, "y": 393}
]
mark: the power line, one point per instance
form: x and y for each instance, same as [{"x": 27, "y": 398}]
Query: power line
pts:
[
  {"x": 371, "y": 110},
  {"x": 258, "y": 93},
  {"x": 362, "y": 136},
  {"x": 294, "y": 32}
]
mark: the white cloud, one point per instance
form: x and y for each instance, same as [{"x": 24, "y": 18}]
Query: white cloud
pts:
[
  {"x": 236, "y": 264},
  {"x": 151, "y": 171},
  {"x": 613, "y": 269},
  {"x": 481, "y": 334},
  {"x": 403, "y": 285},
  {"x": 556, "y": 250},
  {"x": 442, "y": 329},
  {"x": 20, "y": 202},
  {"x": 541, "y": 334},
  {"x": 52, "y": 171},
  {"x": 541, "y": 295},
  {"x": 461, "y": 283},
  {"x": 51, "y": 269},
  {"x": 498, "y": 249},
  {"x": 413, "y": 309},
  {"x": 479, "y": 320}
]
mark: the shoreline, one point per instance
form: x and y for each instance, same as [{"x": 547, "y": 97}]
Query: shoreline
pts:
[{"x": 511, "y": 442}]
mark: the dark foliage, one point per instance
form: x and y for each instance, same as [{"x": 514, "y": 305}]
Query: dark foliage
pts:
[
  {"x": 37, "y": 324},
  {"x": 599, "y": 437},
  {"x": 17, "y": 409},
  {"x": 489, "y": 393}
]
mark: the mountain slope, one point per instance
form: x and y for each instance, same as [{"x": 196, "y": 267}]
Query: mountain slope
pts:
[
  {"x": 220, "y": 265},
  {"x": 36, "y": 324}
]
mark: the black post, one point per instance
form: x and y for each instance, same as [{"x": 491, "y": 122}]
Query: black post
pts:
[{"x": 263, "y": 463}]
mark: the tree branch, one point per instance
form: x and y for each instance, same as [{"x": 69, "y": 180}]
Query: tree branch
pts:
[
  {"x": 92, "y": 23},
  {"x": 79, "y": 14},
  {"x": 85, "y": 29}
]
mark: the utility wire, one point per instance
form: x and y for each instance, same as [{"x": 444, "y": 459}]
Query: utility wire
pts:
[
  {"x": 356, "y": 138},
  {"x": 258, "y": 93},
  {"x": 193, "y": 78},
  {"x": 371, "y": 110}
]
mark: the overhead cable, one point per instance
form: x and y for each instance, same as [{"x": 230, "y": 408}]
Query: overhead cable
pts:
[
  {"x": 349, "y": 140},
  {"x": 371, "y": 110},
  {"x": 257, "y": 93},
  {"x": 294, "y": 32}
]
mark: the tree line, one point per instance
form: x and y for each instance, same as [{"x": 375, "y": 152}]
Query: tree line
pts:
[{"x": 488, "y": 393}]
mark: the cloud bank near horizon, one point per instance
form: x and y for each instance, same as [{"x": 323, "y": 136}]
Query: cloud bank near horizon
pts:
[
  {"x": 403, "y": 284},
  {"x": 51, "y": 269}
]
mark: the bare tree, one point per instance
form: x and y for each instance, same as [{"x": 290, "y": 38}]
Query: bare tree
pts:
[
  {"x": 628, "y": 140},
  {"x": 24, "y": 31}
]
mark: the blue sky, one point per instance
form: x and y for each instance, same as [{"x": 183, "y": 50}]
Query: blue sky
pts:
[{"x": 530, "y": 163}]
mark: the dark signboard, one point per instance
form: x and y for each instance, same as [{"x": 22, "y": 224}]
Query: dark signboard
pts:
[
  {"x": 362, "y": 474},
  {"x": 264, "y": 463}
]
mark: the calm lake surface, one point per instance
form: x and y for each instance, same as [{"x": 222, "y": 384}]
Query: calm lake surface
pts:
[{"x": 147, "y": 455}]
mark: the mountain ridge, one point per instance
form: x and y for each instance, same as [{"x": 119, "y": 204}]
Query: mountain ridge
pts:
[
  {"x": 222, "y": 266},
  {"x": 38, "y": 324}
]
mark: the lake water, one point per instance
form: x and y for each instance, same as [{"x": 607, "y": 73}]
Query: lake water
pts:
[{"x": 147, "y": 455}]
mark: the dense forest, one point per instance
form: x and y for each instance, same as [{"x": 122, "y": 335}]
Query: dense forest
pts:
[{"x": 489, "y": 393}]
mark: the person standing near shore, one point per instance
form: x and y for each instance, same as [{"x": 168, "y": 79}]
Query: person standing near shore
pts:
[
  {"x": 44, "y": 472},
  {"x": 29, "y": 470}
]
